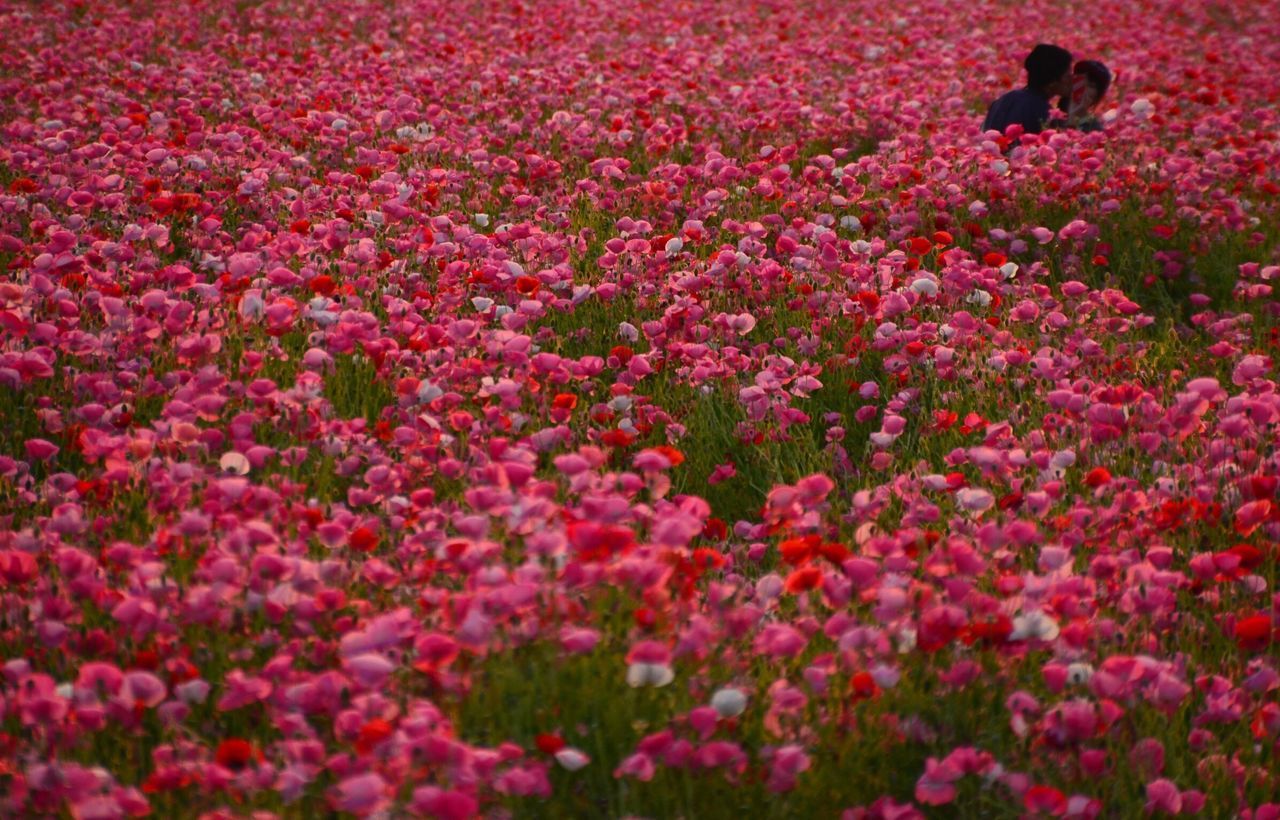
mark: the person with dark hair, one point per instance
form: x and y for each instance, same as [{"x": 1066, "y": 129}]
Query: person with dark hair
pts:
[
  {"x": 1048, "y": 76},
  {"x": 1090, "y": 81}
]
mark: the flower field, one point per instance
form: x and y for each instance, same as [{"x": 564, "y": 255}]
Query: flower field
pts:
[{"x": 599, "y": 409}]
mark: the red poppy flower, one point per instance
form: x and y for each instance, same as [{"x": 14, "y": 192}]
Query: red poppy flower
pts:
[
  {"x": 1097, "y": 477},
  {"x": 363, "y": 539},
  {"x": 833, "y": 552},
  {"x": 796, "y": 551},
  {"x": 1010, "y": 501},
  {"x": 993, "y": 630},
  {"x": 1249, "y": 555},
  {"x": 163, "y": 205},
  {"x": 323, "y": 285},
  {"x": 920, "y": 245},
  {"x": 181, "y": 670},
  {"x": 1266, "y": 722},
  {"x": 862, "y": 685},
  {"x": 673, "y": 455},
  {"x": 373, "y": 733},
  {"x": 1263, "y": 486},
  {"x": 146, "y": 659},
  {"x": 705, "y": 558},
  {"x": 1254, "y": 633},
  {"x": 617, "y": 438},
  {"x": 234, "y": 753},
  {"x": 715, "y": 530},
  {"x": 549, "y": 744},
  {"x": 1044, "y": 799},
  {"x": 166, "y": 780},
  {"x": 803, "y": 579}
]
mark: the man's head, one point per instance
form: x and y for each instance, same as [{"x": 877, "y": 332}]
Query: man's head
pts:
[{"x": 1049, "y": 69}]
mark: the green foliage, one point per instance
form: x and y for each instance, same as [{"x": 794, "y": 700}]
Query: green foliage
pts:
[{"x": 355, "y": 389}]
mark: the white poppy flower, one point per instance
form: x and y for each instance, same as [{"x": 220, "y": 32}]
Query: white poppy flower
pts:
[
  {"x": 729, "y": 702},
  {"x": 649, "y": 674},
  {"x": 234, "y": 463},
  {"x": 925, "y": 287},
  {"x": 1079, "y": 672},
  {"x": 429, "y": 392},
  {"x": 1034, "y": 625},
  {"x": 743, "y": 323},
  {"x": 571, "y": 759}
]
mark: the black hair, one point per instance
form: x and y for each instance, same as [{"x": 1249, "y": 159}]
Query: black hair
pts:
[
  {"x": 1045, "y": 64},
  {"x": 1098, "y": 76}
]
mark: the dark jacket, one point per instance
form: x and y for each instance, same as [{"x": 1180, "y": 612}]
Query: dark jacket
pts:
[{"x": 1026, "y": 106}]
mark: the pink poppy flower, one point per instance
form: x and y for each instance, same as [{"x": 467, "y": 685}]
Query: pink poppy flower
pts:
[
  {"x": 936, "y": 787},
  {"x": 361, "y": 794}
]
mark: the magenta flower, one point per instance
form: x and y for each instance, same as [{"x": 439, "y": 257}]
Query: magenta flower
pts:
[
  {"x": 242, "y": 690},
  {"x": 40, "y": 449},
  {"x": 142, "y": 688},
  {"x": 639, "y": 765},
  {"x": 788, "y": 762},
  {"x": 1163, "y": 797},
  {"x": 361, "y": 794},
  {"x": 936, "y": 787},
  {"x": 444, "y": 804},
  {"x": 364, "y": 375}
]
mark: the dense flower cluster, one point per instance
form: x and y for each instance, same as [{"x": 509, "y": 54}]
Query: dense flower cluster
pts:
[{"x": 448, "y": 409}]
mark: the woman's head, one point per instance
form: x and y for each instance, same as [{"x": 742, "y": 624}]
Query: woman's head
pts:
[
  {"x": 1096, "y": 75},
  {"x": 1091, "y": 79}
]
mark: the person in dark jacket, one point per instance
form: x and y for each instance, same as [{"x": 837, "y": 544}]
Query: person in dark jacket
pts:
[{"x": 1048, "y": 76}]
